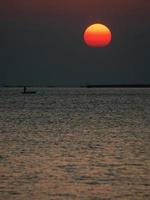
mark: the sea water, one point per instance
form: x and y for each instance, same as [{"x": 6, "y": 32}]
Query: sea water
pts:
[{"x": 75, "y": 143}]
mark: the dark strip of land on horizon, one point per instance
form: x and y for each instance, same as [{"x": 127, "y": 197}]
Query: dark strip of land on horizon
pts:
[
  {"x": 117, "y": 86},
  {"x": 84, "y": 86}
]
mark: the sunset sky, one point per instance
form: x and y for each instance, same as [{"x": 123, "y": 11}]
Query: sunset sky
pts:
[{"x": 41, "y": 42}]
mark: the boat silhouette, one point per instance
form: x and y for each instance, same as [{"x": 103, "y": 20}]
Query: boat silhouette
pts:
[{"x": 27, "y": 92}]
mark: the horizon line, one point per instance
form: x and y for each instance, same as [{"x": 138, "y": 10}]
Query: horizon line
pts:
[{"x": 83, "y": 86}]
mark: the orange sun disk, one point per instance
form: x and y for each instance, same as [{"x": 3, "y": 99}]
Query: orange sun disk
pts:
[{"x": 97, "y": 35}]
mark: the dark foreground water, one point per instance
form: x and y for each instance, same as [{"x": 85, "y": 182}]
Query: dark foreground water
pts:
[{"x": 66, "y": 144}]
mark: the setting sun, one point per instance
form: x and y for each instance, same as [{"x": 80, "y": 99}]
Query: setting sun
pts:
[{"x": 97, "y": 35}]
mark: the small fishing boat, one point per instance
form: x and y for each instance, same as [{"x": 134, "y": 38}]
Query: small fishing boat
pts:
[{"x": 27, "y": 92}]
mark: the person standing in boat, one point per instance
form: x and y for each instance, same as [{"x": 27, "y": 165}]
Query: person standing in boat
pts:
[
  {"x": 28, "y": 92},
  {"x": 24, "y": 89}
]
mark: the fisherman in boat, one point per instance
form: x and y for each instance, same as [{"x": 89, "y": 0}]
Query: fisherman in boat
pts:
[
  {"x": 27, "y": 92},
  {"x": 25, "y": 89}
]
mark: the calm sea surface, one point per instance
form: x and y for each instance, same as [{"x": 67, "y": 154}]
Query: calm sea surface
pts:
[{"x": 66, "y": 144}]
